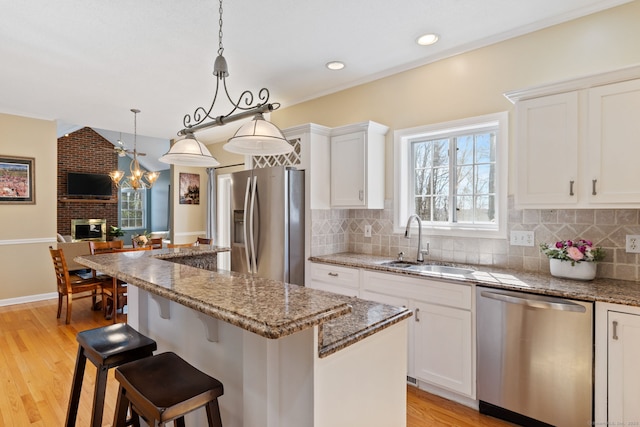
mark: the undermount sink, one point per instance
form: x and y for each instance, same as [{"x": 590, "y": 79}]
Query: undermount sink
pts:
[
  {"x": 400, "y": 264},
  {"x": 427, "y": 268},
  {"x": 442, "y": 269}
]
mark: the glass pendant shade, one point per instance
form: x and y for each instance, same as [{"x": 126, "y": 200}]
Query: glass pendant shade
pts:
[
  {"x": 189, "y": 152},
  {"x": 258, "y": 138},
  {"x": 116, "y": 177}
]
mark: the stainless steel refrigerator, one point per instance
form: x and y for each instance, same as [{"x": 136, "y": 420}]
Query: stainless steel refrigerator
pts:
[{"x": 267, "y": 226}]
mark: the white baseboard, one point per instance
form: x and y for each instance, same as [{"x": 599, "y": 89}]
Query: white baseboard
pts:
[{"x": 28, "y": 298}]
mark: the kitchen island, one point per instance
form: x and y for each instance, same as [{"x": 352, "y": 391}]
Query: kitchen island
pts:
[{"x": 288, "y": 356}]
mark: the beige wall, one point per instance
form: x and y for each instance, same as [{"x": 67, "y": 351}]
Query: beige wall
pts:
[
  {"x": 473, "y": 83},
  {"x": 28, "y": 230},
  {"x": 188, "y": 221}
]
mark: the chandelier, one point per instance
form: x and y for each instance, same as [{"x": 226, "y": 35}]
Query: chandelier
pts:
[
  {"x": 138, "y": 179},
  {"x": 257, "y": 137}
]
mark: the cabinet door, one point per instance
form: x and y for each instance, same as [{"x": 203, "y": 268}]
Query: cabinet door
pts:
[
  {"x": 614, "y": 143},
  {"x": 547, "y": 150},
  {"x": 623, "y": 368},
  {"x": 348, "y": 170},
  {"x": 442, "y": 347}
]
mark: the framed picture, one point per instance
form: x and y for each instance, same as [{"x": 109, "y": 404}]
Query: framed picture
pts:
[
  {"x": 17, "y": 180},
  {"x": 189, "y": 188}
]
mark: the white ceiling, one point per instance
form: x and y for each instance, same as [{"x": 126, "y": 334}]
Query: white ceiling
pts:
[{"x": 88, "y": 62}]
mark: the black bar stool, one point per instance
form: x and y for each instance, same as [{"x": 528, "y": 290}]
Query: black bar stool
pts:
[
  {"x": 106, "y": 347},
  {"x": 163, "y": 388}
]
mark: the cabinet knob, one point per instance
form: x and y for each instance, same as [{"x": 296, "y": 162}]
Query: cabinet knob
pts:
[
  {"x": 615, "y": 330},
  {"x": 571, "y": 188},
  {"x": 417, "y": 311},
  {"x": 593, "y": 189},
  {"x": 332, "y": 274}
]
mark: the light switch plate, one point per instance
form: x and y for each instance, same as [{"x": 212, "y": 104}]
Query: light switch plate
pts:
[
  {"x": 367, "y": 230},
  {"x": 521, "y": 238}
]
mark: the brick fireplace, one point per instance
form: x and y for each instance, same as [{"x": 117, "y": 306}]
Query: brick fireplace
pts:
[{"x": 84, "y": 151}]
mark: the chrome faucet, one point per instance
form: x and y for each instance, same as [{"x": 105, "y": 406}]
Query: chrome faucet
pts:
[{"x": 407, "y": 235}]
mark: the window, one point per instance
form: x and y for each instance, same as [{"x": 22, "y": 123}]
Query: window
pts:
[
  {"x": 453, "y": 175},
  {"x": 132, "y": 208}
]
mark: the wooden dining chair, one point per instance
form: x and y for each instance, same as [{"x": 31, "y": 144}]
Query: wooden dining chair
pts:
[
  {"x": 71, "y": 284},
  {"x": 203, "y": 241},
  {"x": 179, "y": 245},
  {"x": 118, "y": 288}
]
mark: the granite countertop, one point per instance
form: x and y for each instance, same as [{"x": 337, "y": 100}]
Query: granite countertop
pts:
[
  {"x": 268, "y": 308},
  {"x": 185, "y": 251},
  {"x": 600, "y": 289}
]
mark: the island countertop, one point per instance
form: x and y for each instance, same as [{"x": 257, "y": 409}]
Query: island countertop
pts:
[{"x": 269, "y": 308}]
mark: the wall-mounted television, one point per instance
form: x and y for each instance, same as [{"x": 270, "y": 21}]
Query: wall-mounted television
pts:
[{"x": 88, "y": 184}]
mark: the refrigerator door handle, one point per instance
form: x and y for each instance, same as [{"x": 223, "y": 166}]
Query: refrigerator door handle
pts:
[
  {"x": 551, "y": 303},
  {"x": 245, "y": 224},
  {"x": 254, "y": 265}
]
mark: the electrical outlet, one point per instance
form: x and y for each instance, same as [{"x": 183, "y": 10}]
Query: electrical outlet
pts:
[
  {"x": 521, "y": 238},
  {"x": 367, "y": 230},
  {"x": 633, "y": 244}
]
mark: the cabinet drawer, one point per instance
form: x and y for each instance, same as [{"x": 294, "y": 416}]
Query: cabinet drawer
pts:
[
  {"x": 335, "y": 275},
  {"x": 427, "y": 289}
]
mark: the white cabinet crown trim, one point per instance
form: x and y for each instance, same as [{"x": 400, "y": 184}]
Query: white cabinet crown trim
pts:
[{"x": 585, "y": 82}]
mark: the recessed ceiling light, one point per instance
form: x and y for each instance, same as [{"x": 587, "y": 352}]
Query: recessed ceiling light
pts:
[
  {"x": 335, "y": 65},
  {"x": 427, "y": 39}
]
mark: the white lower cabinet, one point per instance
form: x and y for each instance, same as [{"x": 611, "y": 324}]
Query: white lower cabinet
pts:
[
  {"x": 617, "y": 386},
  {"x": 441, "y": 339},
  {"x": 617, "y": 371},
  {"x": 442, "y": 347}
]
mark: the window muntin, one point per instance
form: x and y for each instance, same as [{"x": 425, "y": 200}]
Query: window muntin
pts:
[
  {"x": 472, "y": 189},
  {"x": 132, "y": 208},
  {"x": 459, "y": 194}
]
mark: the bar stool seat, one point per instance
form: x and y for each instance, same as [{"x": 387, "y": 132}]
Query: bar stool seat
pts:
[
  {"x": 106, "y": 347},
  {"x": 163, "y": 388}
]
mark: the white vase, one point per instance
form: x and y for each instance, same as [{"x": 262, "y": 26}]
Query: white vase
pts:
[{"x": 577, "y": 271}]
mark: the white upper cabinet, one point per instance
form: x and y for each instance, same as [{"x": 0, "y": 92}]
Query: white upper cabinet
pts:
[
  {"x": 577, "y": 142},
  {"x": 357, "y": 166},
  {"x": 613, "y": 143},
  {"x": 547, "y": 150}
]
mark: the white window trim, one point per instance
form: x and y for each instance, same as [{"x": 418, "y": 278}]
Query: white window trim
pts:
[
  {"x": 144, "y": 208},
  {"x": 402, "y": 138}
]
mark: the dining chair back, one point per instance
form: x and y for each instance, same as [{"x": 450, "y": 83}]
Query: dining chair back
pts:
[
  {"x": 139, "y": 248},
  {"x": 70, "y": 284},
  {"x": 105, "y": 247},
  {"x": 179, "y": 245},
  {"x": 154, "y": 243}
]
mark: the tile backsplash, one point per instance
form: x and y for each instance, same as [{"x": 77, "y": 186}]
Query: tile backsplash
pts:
[{"x": 342, "y": 230}]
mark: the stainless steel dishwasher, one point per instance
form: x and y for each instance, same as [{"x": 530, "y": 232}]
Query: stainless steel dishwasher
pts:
[{"x": 535, "y": 358}]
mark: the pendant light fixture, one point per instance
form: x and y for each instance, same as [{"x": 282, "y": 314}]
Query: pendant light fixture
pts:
[
  {"x": 138, "y": 179},
  {"x": 258, "y": 137}
]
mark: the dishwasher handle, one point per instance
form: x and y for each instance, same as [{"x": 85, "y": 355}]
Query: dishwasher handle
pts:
[{"x": 555, "y": 304}]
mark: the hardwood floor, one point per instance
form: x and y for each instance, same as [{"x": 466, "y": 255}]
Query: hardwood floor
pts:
[{"x": 37, "y": 357}]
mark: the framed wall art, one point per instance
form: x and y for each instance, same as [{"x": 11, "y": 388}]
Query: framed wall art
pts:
[
  {"x": 189, "y": 188},
  {"x": 17, "y": 180}
]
